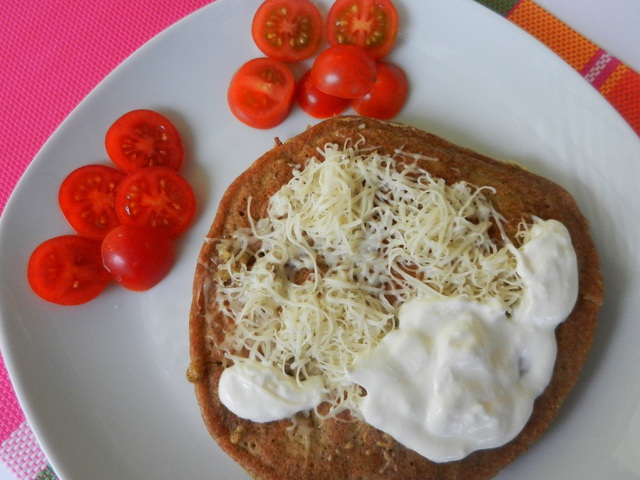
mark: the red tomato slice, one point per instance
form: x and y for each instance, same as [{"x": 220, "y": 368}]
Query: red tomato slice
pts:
[
  {"x": 370, "y": 24},
  {"x": 344, "y": 71},
  {"x": 316, "y": 103},
  {"x": 387, "y": 96},
  {"x": 137, "y": 257},
  {"x": 67, "y": 270},
  {"x": 261, "y": 92},
  {"x": 287, "y": 30},
  {"x": 156, "y": 197},
  {"x": 144, "y": 138},
  {"x": 87, "y": 200}
]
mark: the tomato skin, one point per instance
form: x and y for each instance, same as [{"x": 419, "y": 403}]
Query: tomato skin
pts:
[
  {"x": 137, "y": 257},
  {"x": 387, "y": 96},
  {"x": 316, "y": 103},
  {"x": 369, "y": 24},
  {"x": 87, "y": 200},
  {"x": 157, "y": 197},
  {"x": 261, "y": 92},
  {"x": 143, "y": 138},
  {"x": 344, "y": 71},
  {"x": 287, "y": 30},
  {"x": 67, "y": 270}
]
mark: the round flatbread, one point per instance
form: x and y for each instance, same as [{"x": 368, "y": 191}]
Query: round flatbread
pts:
[{"x": 344, "y": 448}]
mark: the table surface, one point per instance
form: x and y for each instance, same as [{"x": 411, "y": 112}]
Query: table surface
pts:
[{"x": 613, "y": 25}]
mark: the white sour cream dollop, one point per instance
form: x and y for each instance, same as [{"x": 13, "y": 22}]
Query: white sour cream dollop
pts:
[{"x": 458, "y": 375}]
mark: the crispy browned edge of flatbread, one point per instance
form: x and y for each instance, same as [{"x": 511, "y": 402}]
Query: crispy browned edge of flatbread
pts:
[{"x": 338, "y": 449}]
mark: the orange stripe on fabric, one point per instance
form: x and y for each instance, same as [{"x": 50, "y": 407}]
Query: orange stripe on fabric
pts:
[
  {"x": 625, "y": 97},
  {"x": 613, "y": 79},
  {"x": 564, "y": 41}
]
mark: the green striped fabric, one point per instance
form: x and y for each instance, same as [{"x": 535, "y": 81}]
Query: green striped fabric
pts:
[{"x": 503, "y": 7}]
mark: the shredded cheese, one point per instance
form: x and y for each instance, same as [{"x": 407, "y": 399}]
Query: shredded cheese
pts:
[{"x": 350, "y": 238}]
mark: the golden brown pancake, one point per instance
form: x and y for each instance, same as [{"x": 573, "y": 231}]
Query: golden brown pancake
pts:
[{"x": 310, "y": 448}]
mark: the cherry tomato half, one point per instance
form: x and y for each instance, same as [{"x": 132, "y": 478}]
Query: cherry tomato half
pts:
[
  {"x": 287, "y": 30},
  {"x": 387, "y": 96},
  {"x": 87, "y": 200},
  {"x": 344, "y": 71},
  {"x": 261, "y": 92},
  {"x": 67, "y": 270},
  {"x": 144, "y": 138},
  {"x": 137, "y": 257},
  {"x": 370, "y": 24},
  {"x": 156, "y": 197},
  {"x": 316, "y": 103}
]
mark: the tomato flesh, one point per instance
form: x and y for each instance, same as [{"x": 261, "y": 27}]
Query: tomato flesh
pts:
[
  {"x": 344, "y": 71},
  {"x": 316, "y": 103},
  {"x": 387, "y": 96},
  {"x": 369, "y": 24},
  {"x": 67, "y": 270},
  {"x": 137, "y": 257},
  {"x": 261, "y": 92},
  {"x": 156, "y": 197},
  {"x": 144, "y": 138},
  {"x": 287, "y": 30},
  {"x": 87, "y": 199}
]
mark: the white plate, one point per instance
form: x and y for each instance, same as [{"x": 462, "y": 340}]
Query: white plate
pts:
[{"x": 103, "y": 385}]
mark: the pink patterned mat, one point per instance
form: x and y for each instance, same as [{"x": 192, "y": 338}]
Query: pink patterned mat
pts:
[{"x": 52, "y": 55}]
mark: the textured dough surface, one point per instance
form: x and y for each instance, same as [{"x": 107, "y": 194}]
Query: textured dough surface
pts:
[{"x": 350, "y": 450}]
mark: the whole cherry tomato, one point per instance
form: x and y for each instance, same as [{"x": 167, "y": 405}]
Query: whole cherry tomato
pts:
[
  {"x": 137, "y": 257},
  {"x": 387, "y": 96},
  {"x": 344, "y": 71},
  {"x": 316, "y": 103}
]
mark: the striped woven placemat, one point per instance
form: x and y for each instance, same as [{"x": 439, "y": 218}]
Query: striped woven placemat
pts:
[{"x": 617, "y": 83}]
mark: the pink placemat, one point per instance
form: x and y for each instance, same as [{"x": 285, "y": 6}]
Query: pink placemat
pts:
[{"x": 54, "y": 53}]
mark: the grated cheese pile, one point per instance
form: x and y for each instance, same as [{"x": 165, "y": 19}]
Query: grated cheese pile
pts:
[{"x": 350, "y": 238}]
